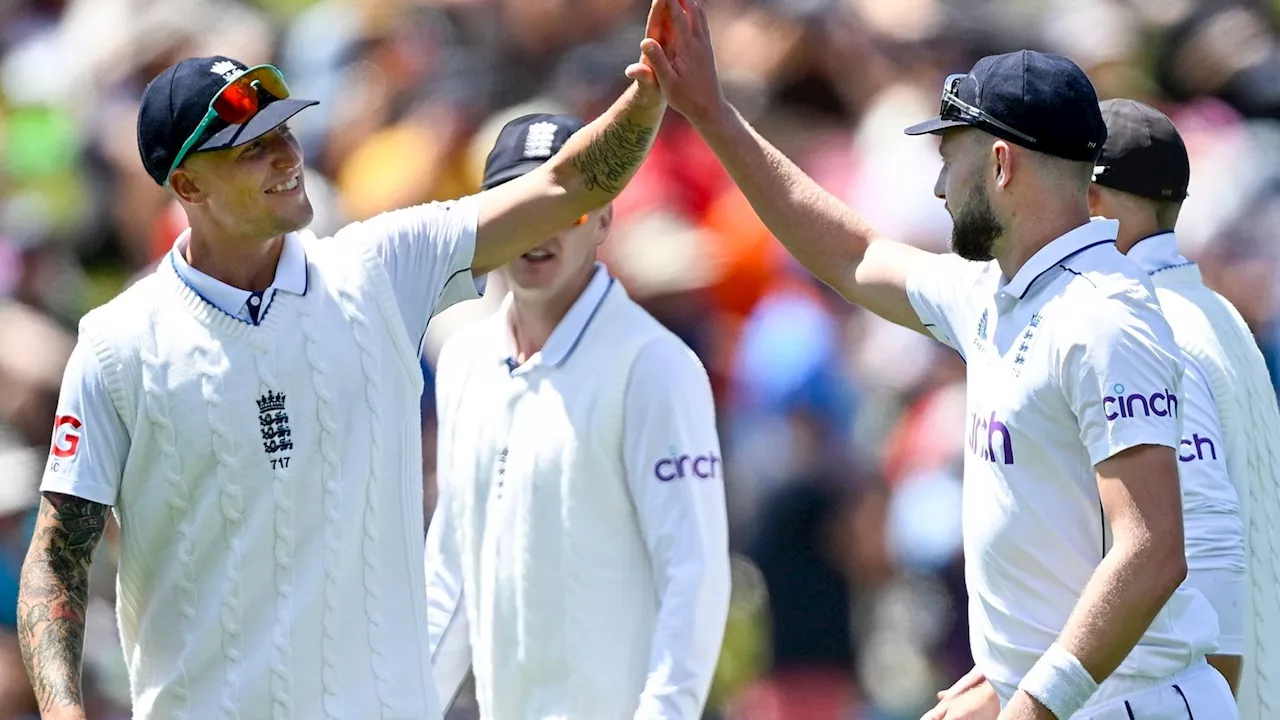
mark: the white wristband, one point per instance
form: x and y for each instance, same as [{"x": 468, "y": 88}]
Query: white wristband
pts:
[{"x": 1059, "y": 682}]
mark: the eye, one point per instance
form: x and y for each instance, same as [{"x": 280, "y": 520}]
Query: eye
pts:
[{"x": 252, "y": 149}]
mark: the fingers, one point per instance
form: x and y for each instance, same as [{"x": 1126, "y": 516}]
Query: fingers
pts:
[
  {"x": 659, "y": 23},
  {"x": 966, "y": 682},
  {"x": 657, "y": 59},
  {"x": 642, "y": 74},
  {"x": 697, "y": 12},
  {"x": 680, "y": 21},
  {"x": 939, "y": 712}
]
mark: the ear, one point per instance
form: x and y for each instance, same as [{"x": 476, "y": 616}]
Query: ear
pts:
[
  {"x": 1004, "y": 163},
  {"x": 606, "y": 223},
  {"x": 1096, "y": 200},
  {"x": 185, "y": 185}
]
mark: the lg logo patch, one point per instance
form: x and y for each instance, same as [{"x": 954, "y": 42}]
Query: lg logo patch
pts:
[
  {"x": 681, "y": 466},
  {"x": 66, "y": 436}
]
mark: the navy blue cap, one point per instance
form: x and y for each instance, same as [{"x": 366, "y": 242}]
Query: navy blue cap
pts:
[
  {"x": 1144, "y": 155},
  {"x": 1045, "y": 98},
  {"x": 525, "y": 143},
  {"x": 175, "y": 102}
]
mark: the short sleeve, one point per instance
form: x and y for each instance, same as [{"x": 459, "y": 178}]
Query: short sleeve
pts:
[
  {"x": 941, "y": 290},
  {"x": 90, "y": 442},
  {"x": 427, "y": 252},
  {"x": 1122, "y": 376}
]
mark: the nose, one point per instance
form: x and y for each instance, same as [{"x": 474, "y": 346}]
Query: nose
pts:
[
  {"x": 940, "y": 186},
  {"x": 286, "y": 152}
]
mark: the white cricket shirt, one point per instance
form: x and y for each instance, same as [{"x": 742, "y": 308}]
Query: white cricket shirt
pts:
[
  {"x": 266, "y": 473},
  {"x": 1211, "y": 506},
  {"x": 578, "y": 555},
  {"x": 1068, "y": 363}
]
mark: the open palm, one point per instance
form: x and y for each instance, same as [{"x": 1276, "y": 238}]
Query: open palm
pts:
[{"x": 677, "y": 52}]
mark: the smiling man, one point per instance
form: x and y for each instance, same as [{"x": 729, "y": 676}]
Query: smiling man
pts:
[
  {"x": 578, "y": 556},
  {"x": 250, "y": 411}
]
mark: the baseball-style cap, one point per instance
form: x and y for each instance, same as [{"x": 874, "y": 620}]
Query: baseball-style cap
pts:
[
  {"x": 525, "y": 143},
  {"x": 1144, "y": 155},
  {"x": 175, "y": 103},
  {"x": 1036, "y": 100}
]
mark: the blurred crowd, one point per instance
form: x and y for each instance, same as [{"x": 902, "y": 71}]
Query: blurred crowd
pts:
[{"x": 841, "y": 433}]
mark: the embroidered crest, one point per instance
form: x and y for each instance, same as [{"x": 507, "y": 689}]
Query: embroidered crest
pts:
[
  {"x": 982, "y": 326},
  {"x": 273, "y": 421},
  {"x": 537, "y": 144},
  {"x": 226, "y": 69},
  {"x": 1024, "y": 344},
  {"x": 502, "y": 470}
]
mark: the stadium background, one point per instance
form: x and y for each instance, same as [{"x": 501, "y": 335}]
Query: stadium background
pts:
[{"x": 841, "y": 434}]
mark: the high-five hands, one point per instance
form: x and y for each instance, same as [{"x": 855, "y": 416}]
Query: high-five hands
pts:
[
  {"x": 658, "y": 28},
  {"x": 676, "y": 54}
]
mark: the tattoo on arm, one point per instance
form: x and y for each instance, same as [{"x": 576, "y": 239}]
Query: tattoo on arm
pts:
[
  {"x": 53, "y": 595},
  {"x": 613, "y": 155}
]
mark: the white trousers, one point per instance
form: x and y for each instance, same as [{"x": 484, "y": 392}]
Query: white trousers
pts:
[{"x": 1197, "y": 693}]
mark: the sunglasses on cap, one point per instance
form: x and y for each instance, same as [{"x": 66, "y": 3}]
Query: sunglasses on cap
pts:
[
  {"x": 237, "y": 102},
  {"x": 953, "y": 108}
]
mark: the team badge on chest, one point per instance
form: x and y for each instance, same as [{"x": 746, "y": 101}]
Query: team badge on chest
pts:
[
  {"x": 1022, "y": 345},
  {"x": 273, "y": 421}
]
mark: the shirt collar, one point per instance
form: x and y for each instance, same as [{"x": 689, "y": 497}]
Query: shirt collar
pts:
[
  {"x": 291, "y": 275},
  {"x": 569, "y": 330},
  {"x": 1095, "y": 232},
  {"x": 1157, "y": 252}
]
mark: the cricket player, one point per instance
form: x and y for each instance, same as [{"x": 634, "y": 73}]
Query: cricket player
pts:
[
  {"x": 1072, "y": 510},
  {"x": 1141, "y": 180},
  {"x": 250, "y": 413},
  {"x": 578, "y": 556},
  {"x": 1230, "y": 473}
]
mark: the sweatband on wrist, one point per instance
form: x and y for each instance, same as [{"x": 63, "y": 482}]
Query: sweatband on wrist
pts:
[{"x": 1059, "y": 682}]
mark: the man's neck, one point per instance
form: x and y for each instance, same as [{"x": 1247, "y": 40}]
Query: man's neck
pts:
[
  {"x": 534, "y": 318},
  {"x": 1029, "y": 235},
  {"x": 247, "y": 265},
  {"x": 1132, "y": 232}
]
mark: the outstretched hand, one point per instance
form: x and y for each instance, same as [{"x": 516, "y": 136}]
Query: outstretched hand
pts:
[{"x": 677, "y": 56}]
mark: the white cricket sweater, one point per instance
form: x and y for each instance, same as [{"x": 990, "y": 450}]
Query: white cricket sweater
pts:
[
  {"x": 271, "y": 503},
  {"x": 1210, "y": 330}
]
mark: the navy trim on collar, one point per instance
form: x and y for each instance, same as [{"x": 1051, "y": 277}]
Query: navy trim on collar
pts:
[
  {"x": 1097, "y": 231},
  {"x": 1062, "y": 264}
]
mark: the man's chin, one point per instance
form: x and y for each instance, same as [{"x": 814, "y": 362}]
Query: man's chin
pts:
[
  {"x": 971, "y": 253},
  {"x": 299, "y": 220}
]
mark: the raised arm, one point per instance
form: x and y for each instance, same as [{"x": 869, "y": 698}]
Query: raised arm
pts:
[
  {"x": 588, "y": 172},
  {"x": 52, "y": 599},
  {"x": 828, "y": 238}
]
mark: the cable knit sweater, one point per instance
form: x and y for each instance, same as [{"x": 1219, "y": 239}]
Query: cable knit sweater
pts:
[
  {"x": 1212, "y": 332},
  {"x": 271, "y": 507}
]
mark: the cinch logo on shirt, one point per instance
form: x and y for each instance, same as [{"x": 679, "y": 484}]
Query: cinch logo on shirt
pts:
[
  {"x": 680, "y": 466},
  {"x": 1197, "y": 444},
  {"x": 66, "y": 436},
  {"x": 982, "y": 439},
  {"x": 1120, "y": 405}
]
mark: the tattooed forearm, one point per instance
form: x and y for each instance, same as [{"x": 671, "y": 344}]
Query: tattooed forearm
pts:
[
  {"x": 608, "y": 162},
  {"x": 53, "y": 595}
]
